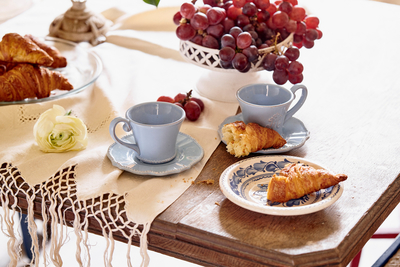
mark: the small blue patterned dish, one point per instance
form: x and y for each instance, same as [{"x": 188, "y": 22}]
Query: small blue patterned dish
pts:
[
  {"x": 189, "y": 152},
  {"x": 245, "y": 183},
  {"x": 294, "y": 132}
]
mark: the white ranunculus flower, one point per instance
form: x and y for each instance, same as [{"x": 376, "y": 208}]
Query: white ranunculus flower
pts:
[{"x": 56, "y": 131}]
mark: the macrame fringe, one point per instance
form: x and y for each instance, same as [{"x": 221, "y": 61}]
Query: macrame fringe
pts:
[{"x": 56, "y": 192}]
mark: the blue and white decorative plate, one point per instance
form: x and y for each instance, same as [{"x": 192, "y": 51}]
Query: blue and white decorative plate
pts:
[
  {"x": 245, "y": 183},
  {"x": 294, "y": 132},
  {"x": 189, "y": 152}
]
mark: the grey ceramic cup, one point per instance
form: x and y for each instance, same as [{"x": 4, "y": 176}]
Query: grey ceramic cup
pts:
[
  {"x": 155, "y": 126},
  {"x": 268, "y": 104}
]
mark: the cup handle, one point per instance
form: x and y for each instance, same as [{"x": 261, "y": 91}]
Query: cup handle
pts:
[
  {"x": 299, "y": 103},
  {"x": 127, "y": 128}
]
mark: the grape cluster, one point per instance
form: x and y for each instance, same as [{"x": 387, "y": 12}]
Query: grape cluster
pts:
[
  {"x": 240, "y": 28},
  {"x": 193, "y": 106}
]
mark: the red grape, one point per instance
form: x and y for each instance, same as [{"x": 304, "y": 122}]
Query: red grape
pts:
[
  {"x": 268, "y": 62},
  {"x": 180, "y": 97},
  {"x": 293, "y": 2},
  {"x": 233, "y": 12},
  {"x": 165, "y": 99},
  {"x": 251, "y": 53},
  {"x": 262, "y": 4},
  {"x": 199, "y": 102},
  {"x": 227, "y": 53},
  {"x": 210, "y": 42},
  {"x": 308, "y": 44},
  {"x": 271, "y": 9},
  {"x": 291, "y": 26},
  {"x": 243, "y": 40},
  {"x": 286, "y": 7},
  {"x": 263, "y": 16},
  {"x": 295, "y": 78},
  {"x": 211, "y": 2},
  {"x": 199, "y": 21},
  {"x": 301, "y": 28},
  {"x": 319, "y": 33},
  {"x": 185, "y": 32},
  {"x": 216, "y": 30},
  {"x": 228, "y": 24},
  {"x": 295, "y": 68},
  {"x": 281, "y": 63},
  {"x": 228, "y": 40},
  {"x": 312, "y": 22},
  {"x": 249, "y": 9},
  {"x": 204, "y": 8},
  {"x": 297, "y": 38},
  {"x": 240, "y": 62},
  {"x": 280, "y": 19},
  {"x": 298, "y": 13},
  {"x": 226, "y": 64},
  {"x": 238, "y": 3},
  {"x": 235, "y": 31},
  {"x": 292, "y": 53},
  {"x": 216, "y": 15},
  {"x": 242, "y": 20},
  {"x": 188, "y": 10},
  {"x": 197, "y": 39},
  {"x": 177, "y": 18},
  {"x": 311, "y": 35},
  {"x": 192, "y": 110},
  {"x": 280, "y": 76}
]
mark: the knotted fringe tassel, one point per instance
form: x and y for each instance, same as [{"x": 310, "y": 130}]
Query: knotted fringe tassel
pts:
[{"x": 143, "y": 245}]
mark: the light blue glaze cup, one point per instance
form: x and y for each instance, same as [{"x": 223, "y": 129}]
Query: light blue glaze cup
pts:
[
  {"x": 268, "y": 104},
  {"x": 155, "y": 126}
]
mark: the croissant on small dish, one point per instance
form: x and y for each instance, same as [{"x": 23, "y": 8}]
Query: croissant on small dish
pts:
[
  {"x": 29, "y": 81},
  {"x": 297, "y": 180},
  {"x": 242, "y": 139}
]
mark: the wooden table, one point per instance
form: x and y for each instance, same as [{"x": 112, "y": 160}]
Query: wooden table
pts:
[{"x": 353, "y": 115}]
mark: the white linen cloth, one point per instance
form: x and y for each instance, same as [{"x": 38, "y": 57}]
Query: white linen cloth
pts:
[{"x": 140, "y": 63}]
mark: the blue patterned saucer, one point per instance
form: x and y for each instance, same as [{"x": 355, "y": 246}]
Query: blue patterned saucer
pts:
[
  {"x": 245, "y": 183},
  {"x": 189, "y": 152},
  {"x": 294, "y": 132}
]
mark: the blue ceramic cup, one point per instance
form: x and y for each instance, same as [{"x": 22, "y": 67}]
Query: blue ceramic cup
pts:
[
  {"x": 155, "y": 126},
  {"x": 268, "y": 104}
]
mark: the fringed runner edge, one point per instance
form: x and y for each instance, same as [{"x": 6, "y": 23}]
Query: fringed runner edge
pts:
[{"x": 58, "y": 197}]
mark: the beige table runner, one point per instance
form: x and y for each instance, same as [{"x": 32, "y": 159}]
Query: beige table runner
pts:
[{"x": 130, "y": 76}]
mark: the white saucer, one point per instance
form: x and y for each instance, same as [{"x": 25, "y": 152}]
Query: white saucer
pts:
[
  {"x": 294, "y": 132},
  {"x": 245, "y": 183},
  {"x": 189, "y": 152}
]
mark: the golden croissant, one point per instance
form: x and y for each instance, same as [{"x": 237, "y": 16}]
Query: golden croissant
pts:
[
  {"x": 15, "y": 48},
  {"x": 242, "y": 139},
  {"x": 297, "y": 180},
  {"x": 59, "y": 61},
  {"x": 29, "y": 81}
]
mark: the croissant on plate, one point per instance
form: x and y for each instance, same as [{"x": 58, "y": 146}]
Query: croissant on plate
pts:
[
  {"x": 242, "y": 139},
  {"x": 15, "y": 48},
  {"x": 29, "y": 81},
  {"x": 297, "y": 180},
  {"x": 59, "y": 61}
]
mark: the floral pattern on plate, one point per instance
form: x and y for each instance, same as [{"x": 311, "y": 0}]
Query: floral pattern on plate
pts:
[{"x": 246, "y": 182}]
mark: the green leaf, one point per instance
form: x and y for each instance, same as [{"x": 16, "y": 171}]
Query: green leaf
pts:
[
  {"x": 152, "y": 2},
  {"x": 68, "y": 113}
]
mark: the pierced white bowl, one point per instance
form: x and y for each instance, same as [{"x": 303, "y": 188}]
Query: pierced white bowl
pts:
[{"x": 221, "y": 84}]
